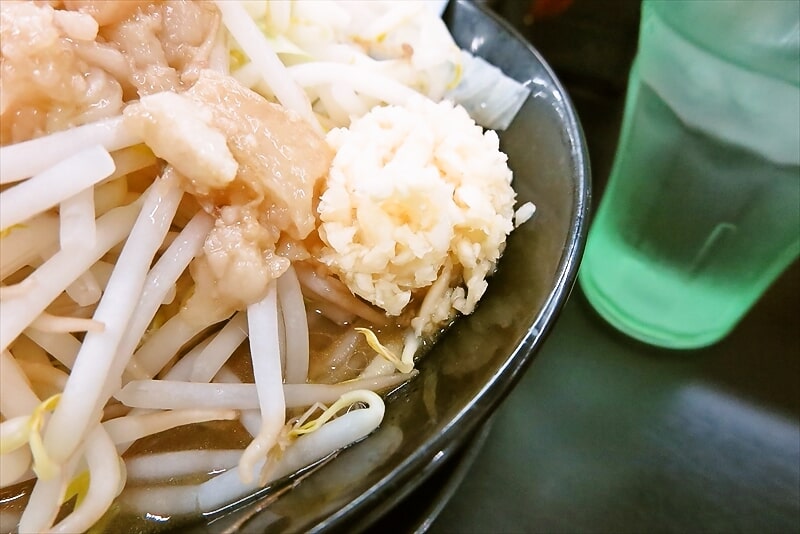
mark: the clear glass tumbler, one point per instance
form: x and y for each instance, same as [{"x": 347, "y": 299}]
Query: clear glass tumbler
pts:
[{"x": 702, "y": 210}]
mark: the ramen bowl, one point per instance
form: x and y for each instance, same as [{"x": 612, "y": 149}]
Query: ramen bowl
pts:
[{"x": 475, "y": 364}]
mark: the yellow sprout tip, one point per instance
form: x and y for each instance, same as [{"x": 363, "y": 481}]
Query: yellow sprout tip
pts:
[
  {"x": 6, "y": 231},
  {"x": 78, "y": 487},
  {"x": 345, "y": 401},
  {"x": 458, "y": 73},
  {"x": 43, "y": 466},
  {"x": 375, "y": 344}
]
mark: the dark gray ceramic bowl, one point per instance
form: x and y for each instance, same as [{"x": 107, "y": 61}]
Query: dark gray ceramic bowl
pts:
[{"x": 477, "y": 362}]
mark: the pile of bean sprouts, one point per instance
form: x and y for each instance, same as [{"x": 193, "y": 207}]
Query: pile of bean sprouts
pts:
[{"x": 86, "y": 369}]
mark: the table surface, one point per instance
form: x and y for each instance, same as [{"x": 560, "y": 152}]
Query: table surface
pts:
[{"x": 604, "y": 434}]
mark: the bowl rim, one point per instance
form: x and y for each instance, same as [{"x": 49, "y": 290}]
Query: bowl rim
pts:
[
  {"x": 409, "y": 474},
  {"x": 412, "y": 471}
]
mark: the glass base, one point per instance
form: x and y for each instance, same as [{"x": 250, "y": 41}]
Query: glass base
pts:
[{"x": 636, "y": 328}]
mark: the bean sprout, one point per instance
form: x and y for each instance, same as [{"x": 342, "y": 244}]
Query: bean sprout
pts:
[{"x": 164, "y": 215}]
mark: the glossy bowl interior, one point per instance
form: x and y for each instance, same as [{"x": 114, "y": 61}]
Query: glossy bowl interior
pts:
[{"x": 476, "y": 363}]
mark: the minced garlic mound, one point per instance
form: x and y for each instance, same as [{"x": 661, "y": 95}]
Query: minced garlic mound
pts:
[{"x": 415, "y": 193}]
